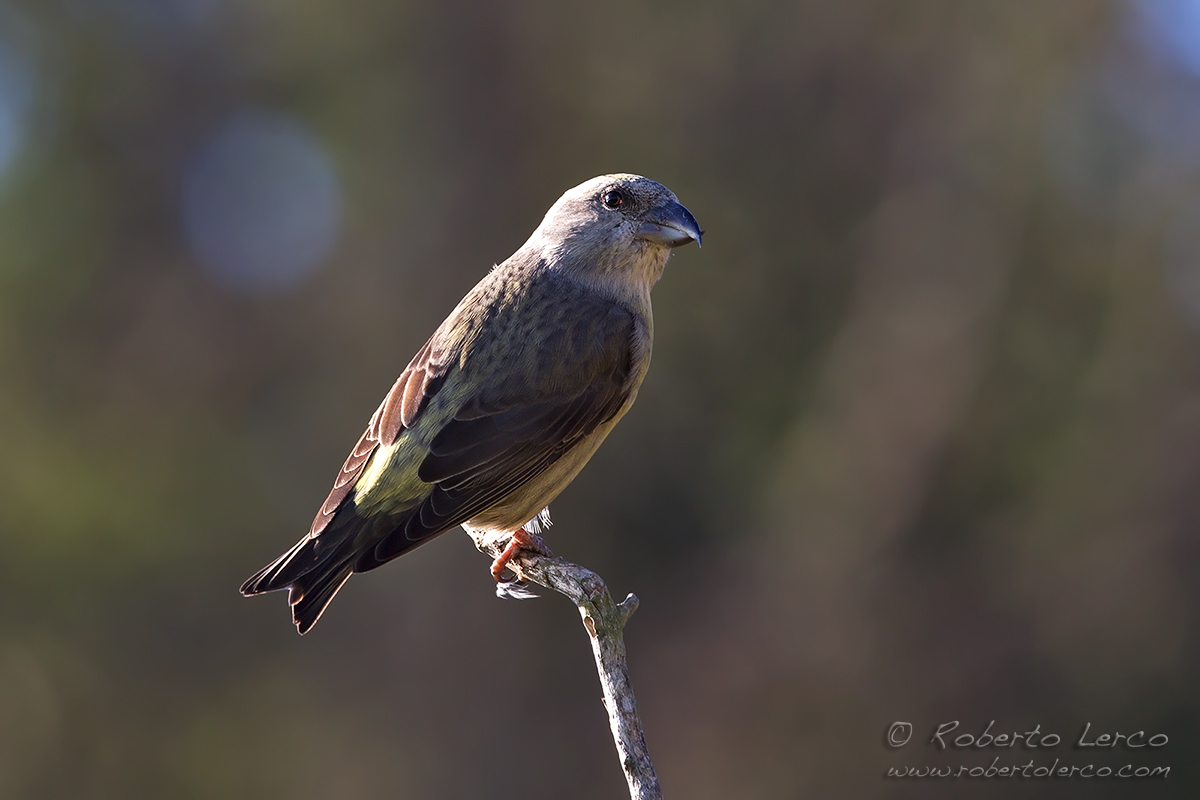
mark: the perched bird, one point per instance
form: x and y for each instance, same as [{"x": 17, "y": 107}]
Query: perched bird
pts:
[{"x": 508, "y": 399}]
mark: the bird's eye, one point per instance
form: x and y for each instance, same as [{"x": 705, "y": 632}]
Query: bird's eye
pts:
[{"x": 613, "y": 199}]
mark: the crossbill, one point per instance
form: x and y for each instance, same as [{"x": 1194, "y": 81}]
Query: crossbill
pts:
[{"x": 508, "y": 399}]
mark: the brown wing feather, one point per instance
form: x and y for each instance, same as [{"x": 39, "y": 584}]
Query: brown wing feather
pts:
[
  {"x": 496, "y": 445},
  {"x": 420, "y": 381}
]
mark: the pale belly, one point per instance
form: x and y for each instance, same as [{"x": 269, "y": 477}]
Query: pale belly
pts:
[{"x": 524, "y": 504}]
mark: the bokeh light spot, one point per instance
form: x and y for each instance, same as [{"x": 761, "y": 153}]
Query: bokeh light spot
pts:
[
  {"x": 261, "y": 203},
  {"x": 1172, "y": 29},
  {"x": 17, "y": 88}
]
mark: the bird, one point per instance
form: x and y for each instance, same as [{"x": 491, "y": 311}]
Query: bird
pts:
[{"x": 506, "y": 401}]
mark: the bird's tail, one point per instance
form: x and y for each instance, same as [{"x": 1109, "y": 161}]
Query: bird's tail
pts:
[
  {"x": 317, "y": 566},
  {"x": 312, "y": 572}
]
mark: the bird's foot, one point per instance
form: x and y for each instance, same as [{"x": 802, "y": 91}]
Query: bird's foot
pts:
[{"x": 521, "y": 540}]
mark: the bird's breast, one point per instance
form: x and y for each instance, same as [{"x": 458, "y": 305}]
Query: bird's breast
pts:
[{"x": 526, "y": 502}]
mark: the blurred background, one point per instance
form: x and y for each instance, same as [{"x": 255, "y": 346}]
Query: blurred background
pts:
[{"x": 920, "y": 442}]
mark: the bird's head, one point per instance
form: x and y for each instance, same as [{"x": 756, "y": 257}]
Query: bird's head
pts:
[{"x": 615, "y": 229}]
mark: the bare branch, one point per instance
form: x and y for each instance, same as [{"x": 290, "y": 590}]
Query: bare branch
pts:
[{"x": 604, "y": 621}]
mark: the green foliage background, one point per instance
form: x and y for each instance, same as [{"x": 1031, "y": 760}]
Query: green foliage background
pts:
[{"x": 920, "y": 441}]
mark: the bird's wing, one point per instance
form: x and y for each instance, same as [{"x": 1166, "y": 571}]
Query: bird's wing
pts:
[
  {"x": 419, "y": 382},
  {"x": 503, "y": 439}
]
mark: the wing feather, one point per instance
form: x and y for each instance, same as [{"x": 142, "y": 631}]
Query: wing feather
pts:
[
  {"x": 495, "y": 446},
  {"x": 409, "y": 395}
]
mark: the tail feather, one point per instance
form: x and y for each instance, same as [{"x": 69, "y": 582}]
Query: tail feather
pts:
[
  {"x": 281, "y": 572},
  {"x": 311, "y": 577},
  {"x": 316, "y": 567},
  {"x": 310, "y": 595},
  {"x": 312, "y": 571}
]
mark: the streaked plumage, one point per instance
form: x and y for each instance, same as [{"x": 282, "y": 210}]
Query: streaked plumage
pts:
[{"x": 508, "y": 399}]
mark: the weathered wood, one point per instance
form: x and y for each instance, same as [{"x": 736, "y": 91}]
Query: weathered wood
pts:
[{"x": 604, "y": 621}]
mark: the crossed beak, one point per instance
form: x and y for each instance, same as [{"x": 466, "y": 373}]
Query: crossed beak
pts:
[{"x": 670, "y": 224}]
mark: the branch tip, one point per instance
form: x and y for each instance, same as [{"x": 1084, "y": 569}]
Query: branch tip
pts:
[
  {"x": 627, "y": 606},
  {"x": 604, "y": 620}
]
